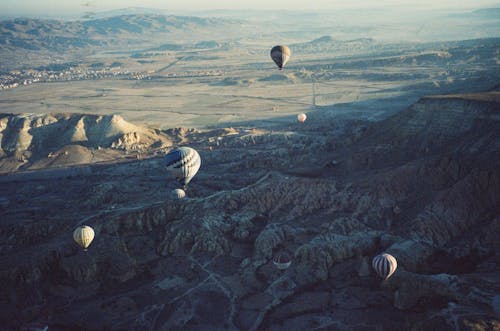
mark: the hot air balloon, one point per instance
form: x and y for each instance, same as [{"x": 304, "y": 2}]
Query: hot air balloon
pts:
[
  {"x": 183, "y": 163},
  {"x": 384, "y": 265},
  {"x": 301, "y": 117},
  {"x": 280, "y": 55},
  {"x": 178, "y": 193},
  {"x": 83, "y": 235},
  {"x": 282, "y": 260}
]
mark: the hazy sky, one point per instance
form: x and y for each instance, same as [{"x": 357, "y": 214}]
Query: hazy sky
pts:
[{"x": 74, "y": 7}]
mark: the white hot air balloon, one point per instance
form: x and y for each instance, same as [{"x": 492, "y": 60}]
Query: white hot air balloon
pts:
[
  {"x": 178, "y": 193},
  {"x": 83, "y": 235},
  {"x": 183, "y": 163},
  {"x": 384, "y": 265},
  {"x": 282, "y": 260},
  {"x": 301, "y": 117}
]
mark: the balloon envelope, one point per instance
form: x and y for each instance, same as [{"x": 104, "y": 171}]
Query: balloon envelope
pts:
[
  {"x": 183, "y": 163},
  {"x": 301, "y": 118},
  {"x": 282, "y": 260},
  {"x": 384, "y": 265},
  {"x": 178, "y": 193},
  {"x": 280, "y": 55},
  {"x": 83, "y": 235}
]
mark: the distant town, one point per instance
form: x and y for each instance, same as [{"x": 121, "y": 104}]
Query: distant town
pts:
[{"x": 18, "y": 78}]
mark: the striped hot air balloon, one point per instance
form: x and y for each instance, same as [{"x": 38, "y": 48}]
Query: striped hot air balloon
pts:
[
  {"x": 280, "y": 55},
  {"x": 183, "y": 163},
  {"x": 83, "y": 235},
  {"x": 384, "y": 265},
  {"x": 282, "y": 260}
]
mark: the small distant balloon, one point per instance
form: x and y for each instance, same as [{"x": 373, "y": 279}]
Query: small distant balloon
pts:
[
  {"x": 178, "y": 193},
  {"x": 183, "y": 163},
  {"x": 280, "y": 55},
  {"x": 83, "y": 235},
  {"x": 384, "y": 265},
  {"x": 301, "y": 117},
  {"x": 282, "y": 260}
]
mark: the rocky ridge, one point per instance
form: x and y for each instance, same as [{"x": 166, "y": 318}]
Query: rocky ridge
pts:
[{"x": 31, "y": 141}]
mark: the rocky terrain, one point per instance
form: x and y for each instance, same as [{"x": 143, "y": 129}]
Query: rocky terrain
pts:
[
  {"x": 422, "y": 185},
  {"x": 29, "y": 141}
]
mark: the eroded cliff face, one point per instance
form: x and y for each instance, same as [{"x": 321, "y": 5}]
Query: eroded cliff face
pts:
[
  {"x": 40, "y": 141},
  {"x": 422, "y": 185}
]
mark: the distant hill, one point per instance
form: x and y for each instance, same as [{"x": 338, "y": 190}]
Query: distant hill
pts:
[
  {"x": 493, "y": 13},
  {"x": 56, "y": 35},
  {"x": 123, "y": 11},
  {"x": 327, "y": 43},
  {"x": 483, "y": 13}
]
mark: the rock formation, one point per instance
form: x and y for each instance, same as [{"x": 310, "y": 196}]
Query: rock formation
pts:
[{"x": 40, "y": 141}]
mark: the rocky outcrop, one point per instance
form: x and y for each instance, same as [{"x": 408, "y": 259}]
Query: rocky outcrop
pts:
[
  {"x": 325, "y": 250},
  {"x": 80, "y": 268},
  {"x": 30, "y": 138},
  {"x": 432, "y": 126},
  {"x": 15, "y": 134},
  {"x": 439, "y": 224},
  {"x": 269, "y": 238},
  {"x": 440, "y": 118}
]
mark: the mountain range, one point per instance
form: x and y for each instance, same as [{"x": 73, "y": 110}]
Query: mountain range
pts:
[{"x": 58, "y": 35}]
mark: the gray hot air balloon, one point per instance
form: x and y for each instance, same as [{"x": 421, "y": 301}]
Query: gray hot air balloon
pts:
[
  {"x": 280, "y": 55},
  {"x": 83, "y": 235},
  {"x": 183, "y": 163},
  {"x": 384, "y": 265}
]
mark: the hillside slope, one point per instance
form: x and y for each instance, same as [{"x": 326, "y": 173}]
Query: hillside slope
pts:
[
  {"x": 61, "y": 36},
  {"x": 37, "y": 141}
]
